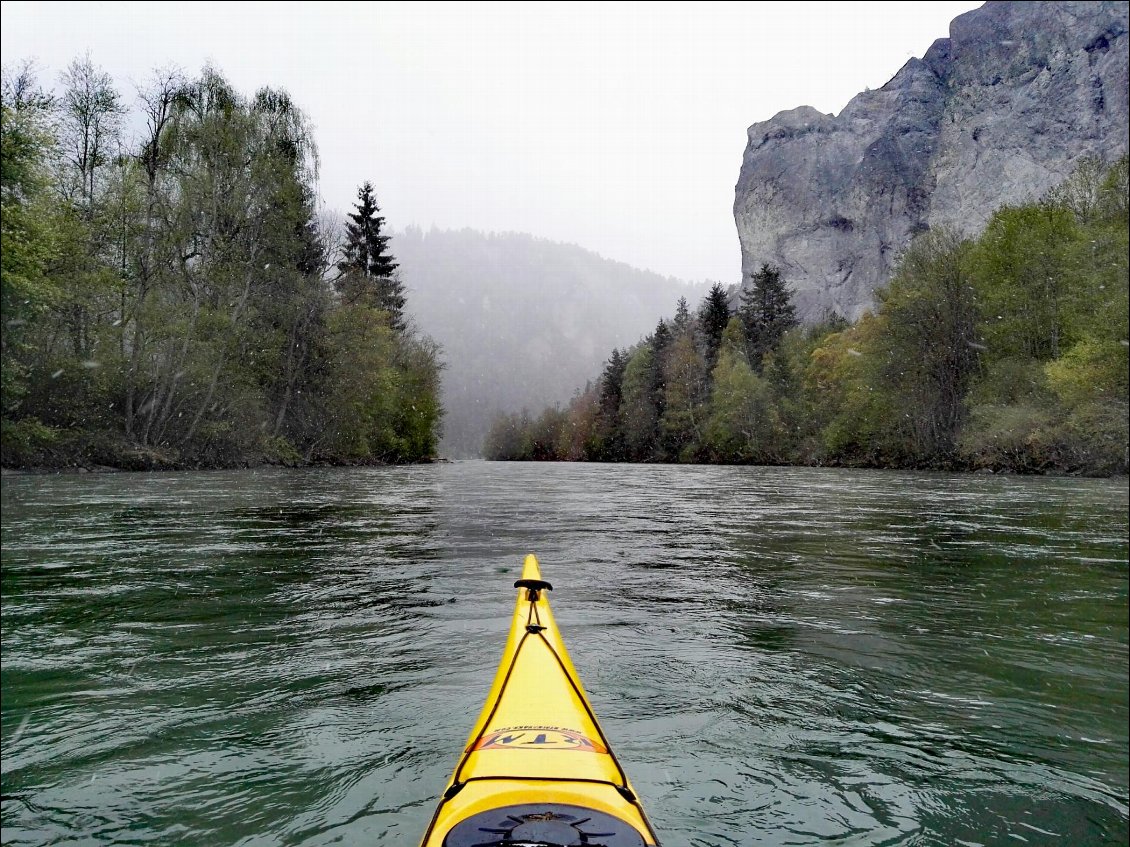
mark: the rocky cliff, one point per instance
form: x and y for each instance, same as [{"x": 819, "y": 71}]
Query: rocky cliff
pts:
[{"x": 998, "y": 113}]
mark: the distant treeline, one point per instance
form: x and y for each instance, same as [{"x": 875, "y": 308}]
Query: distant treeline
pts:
[
  {"x": 1006, "y": 352},
  {"x": 173, "y": 299}
]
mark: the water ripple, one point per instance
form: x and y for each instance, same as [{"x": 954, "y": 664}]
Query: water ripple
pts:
[{"x": 779, "y": 656}]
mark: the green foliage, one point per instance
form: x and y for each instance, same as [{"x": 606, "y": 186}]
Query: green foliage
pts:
[
  {"x": 684, "y": 412},
  {"x": 1098, "y": 434},
  {"x": 1023, "y": 283},
  {"x": 859, "y": 425},
  {"x": 1053, "y": 392},
  {"x": 798, "y": 436},
  {"x": 1092, "y": 371},
  {"x": 27, "y": 231},
  {"x": 606, "y": 443},
  {"x": 926, "y": 348},
  {"x": 1008, "y": 351},
  {"x": 279, "y": 451},
  {"x": 171, "y": 308},
  {"x": 506, "y": 439},
  {"x": 25, "y": 442},
  {"x": 713, "y": 317},
  {"x": 1016, "y": 437},
  {"x": 743, "y": 426},
  {"x": 766, "y": 312},
  {"x": 367, "y": 268},
  {"x": 417, "y": 411},
  {"x": 378, "y": 397},
  {"x": 640, "y": 411}
]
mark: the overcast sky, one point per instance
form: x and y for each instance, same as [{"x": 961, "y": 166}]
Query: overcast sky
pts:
[{"x": 619, "y": 127}]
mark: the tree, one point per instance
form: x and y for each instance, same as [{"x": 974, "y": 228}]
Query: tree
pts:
[
  {"x": 368, "y": 269},
  {"x": 170, "y": 306},
  {"x": 608, "y": 437},
  {"x": 927, "y": 350},
  {"x": 90, "y": 113},
  {"x": 766, "y": 313},
  {"x": 638, "y": 408},
  {"x": 855, "y": 420},
  {"x": 1023, "y": 281},
  {"x": 660, "y": 343},
  {"x": 28, "y": 240},
  {"x": 682, "y": 320},
  {"x": 713, "y": 315},
  {"x": 1052, "y": 285},
  {"x": 681, "y": 421},
  {"x": 742, "y": 425},
  {"x": 91, "y": 120}
]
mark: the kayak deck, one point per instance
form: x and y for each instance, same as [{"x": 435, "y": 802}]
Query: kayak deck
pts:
[{"x": 537, "y": 768}]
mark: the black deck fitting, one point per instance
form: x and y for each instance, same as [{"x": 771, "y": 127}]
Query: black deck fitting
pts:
[{"x": 453, "y": 790}]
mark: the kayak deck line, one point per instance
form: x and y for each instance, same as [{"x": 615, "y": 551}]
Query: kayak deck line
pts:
[
  {"x": 623, "y": 790},
  {"x": 538, "y": 767},
  {"x": 537, "y": 629}
]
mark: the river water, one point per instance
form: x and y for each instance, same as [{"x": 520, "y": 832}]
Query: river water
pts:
[{"x": 779, "y": 656}]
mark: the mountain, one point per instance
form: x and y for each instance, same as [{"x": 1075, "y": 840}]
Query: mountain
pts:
[
  {"x": 523, "y": 322},
  {"x": 996, "y": 114}
]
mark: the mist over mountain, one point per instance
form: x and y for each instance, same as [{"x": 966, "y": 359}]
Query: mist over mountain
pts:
[{"x": 524, "y": 322}]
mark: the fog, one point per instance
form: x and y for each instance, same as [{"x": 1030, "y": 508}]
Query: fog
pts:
[
  {"x": 523, "y": 322},
  {"x": 616, "y": 126}
]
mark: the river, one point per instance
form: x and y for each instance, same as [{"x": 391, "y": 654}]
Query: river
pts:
[{"x": 779, "y": 656}]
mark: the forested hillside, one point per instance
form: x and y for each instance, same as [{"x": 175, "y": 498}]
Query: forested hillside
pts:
[
  {"x": 522, "y": 320},
  {"x": 1005, "y": 352},
  {"x": 170, "y": 298}
]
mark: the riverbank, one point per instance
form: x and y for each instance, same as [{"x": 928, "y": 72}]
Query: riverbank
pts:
[
  {"x": 109, "y": 452},
  {"x": 96, "y": 468}
]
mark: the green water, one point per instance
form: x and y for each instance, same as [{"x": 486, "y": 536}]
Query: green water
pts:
[{"x": 778, "y": 656}]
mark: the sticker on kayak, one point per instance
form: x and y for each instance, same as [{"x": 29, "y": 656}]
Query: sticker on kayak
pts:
[{"x": 539, "y": 738}]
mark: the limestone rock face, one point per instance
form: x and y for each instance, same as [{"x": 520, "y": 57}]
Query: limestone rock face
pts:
[{"x": 998, "y": 113}]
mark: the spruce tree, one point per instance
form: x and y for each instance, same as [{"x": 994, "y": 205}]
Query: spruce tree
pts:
[
  {"x": 713, "y": 315},
  {"x": 660, "y": 347},
  {"x": 766, "y": 313},
  {"x": 368, "y": 269},
  {"x": 612, "y": 381},
  {"x": 610, "y": 437},
  {"x": 682, "y": 316}
]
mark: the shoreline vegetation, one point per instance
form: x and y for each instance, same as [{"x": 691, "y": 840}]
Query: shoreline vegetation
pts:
[
  {"x": 1004, "y": 353},
  {"x": 176, "y": 298}
]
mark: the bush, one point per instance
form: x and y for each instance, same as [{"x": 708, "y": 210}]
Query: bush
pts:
[{"x": 25, "y": 443}]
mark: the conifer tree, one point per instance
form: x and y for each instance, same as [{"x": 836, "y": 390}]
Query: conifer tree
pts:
[
  {"x": 713, "y": 315},
  {"x": 609, "y": 434},
  {"x": 766, "y": 313},
  {"x": 660, "y": 344},
  {"x": 661, "y": 348},
  {"x": 368, "y": 269},
  {"x": 611, "y": 385},
  {"x": 682, "y": 316}
]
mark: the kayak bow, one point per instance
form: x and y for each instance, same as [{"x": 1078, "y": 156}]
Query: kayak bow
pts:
[{"x": 537, "y": 770}]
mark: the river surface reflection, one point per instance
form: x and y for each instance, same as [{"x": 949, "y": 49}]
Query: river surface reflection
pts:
[{"x": 779, "y": 656}]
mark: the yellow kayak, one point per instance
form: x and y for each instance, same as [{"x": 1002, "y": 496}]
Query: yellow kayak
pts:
[{"x": 537, "y": 770}]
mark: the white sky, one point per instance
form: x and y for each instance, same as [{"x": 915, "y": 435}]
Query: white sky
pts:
[{"x": 616, "y": 126}]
